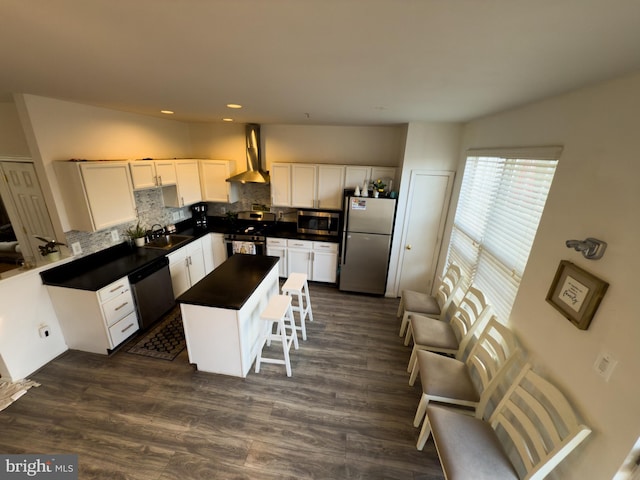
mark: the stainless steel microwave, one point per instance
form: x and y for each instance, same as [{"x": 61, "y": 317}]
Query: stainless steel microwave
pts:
[{"x": 318, "y": 223}]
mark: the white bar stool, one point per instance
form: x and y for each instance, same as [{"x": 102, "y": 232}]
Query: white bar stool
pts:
[
  {"x": 278, "y": 311},
  {"x": 297, "y": 285}
]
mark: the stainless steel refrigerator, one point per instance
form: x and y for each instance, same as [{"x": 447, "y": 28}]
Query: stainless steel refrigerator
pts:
[{"x": 366, "y": 243}]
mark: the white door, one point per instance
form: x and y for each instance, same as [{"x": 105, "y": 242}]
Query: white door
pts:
[
  {"x": 28, "y": 200},
  {"x": 303, "y": 186},
  {"x": 330, "y": 186},
  {"x": 188, "y": 175},
  {"x": 428, "y": 201}
]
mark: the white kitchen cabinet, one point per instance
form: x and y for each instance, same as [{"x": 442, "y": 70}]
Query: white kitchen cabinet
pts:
[
  {"x": 299, "y": 256},
  {"x": 143, "y": 174},
  {"x": 96, "y": 195},
  {"x": 214, "y": 251},
  {"x": 324, "y": 266},
  {"x": 280, "y": 184},
  {"x": 186, "y": 191},
  {"x": 277, "y": 247},
  {"x": 213, "y": 181},
  {"x": 303, "y": 185},
  {"x": 330, "y": 187},
  {"x": 95, "y": 322},
  {"x": 165, "y": 172},
  {"x": 187, "y": 266},
  {"x": 357, "y": 175}
]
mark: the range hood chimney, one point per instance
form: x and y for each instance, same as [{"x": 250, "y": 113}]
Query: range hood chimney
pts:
[{"x": 254, "y": 173}]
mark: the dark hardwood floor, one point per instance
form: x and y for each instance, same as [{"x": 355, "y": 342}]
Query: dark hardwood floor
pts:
[{"x": 346, "y": 413}]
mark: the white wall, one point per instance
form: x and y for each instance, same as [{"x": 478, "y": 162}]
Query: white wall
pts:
[
  {"x": 302, "y": 144},
  {"x": 428, "y": 146},
  {"x": 595, "y": 193},
  {"x": 25, "y": 307},
  {"x": 12, "y": 139},
  {"x": 60, "y": 130}
]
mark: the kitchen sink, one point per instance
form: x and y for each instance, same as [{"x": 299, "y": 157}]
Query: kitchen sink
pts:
[{"x": 166, "y": 242}]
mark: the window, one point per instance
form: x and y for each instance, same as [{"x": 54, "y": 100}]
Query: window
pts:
[{"x": 499, "y": 208}]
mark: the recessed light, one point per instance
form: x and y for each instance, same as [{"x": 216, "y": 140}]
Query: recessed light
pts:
[
  {"x": 234, "y": 105},
  {"x": 167, "y": 112},
  {"x": 227, "y": 119}
]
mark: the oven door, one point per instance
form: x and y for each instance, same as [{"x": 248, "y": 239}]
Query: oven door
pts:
[{"x": 247, "y": 247}]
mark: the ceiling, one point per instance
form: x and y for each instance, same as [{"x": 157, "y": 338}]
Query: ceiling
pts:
[{"x": 336, "y": 62}]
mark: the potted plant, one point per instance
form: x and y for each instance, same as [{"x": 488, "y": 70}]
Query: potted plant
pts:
[
  {"x": 378, "y": 187},
  {"x": 137, "y": 234},
  {"x": 50, "y": 249}
]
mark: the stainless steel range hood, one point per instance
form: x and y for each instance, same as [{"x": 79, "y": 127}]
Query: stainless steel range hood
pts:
[{"x": 254, "y": 173}]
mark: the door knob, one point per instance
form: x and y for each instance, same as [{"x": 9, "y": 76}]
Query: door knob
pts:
[{"x": 408, "y": 247}]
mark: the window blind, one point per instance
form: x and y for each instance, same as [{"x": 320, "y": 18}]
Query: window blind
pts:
[{"x": 499, "y": 208}]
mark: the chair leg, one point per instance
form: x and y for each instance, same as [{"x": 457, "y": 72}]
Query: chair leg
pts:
[
  {"x": 403, "y": 325},
  {"x": 294, "y": 331},
  {"x": 409, "y": 335},
  {"x": 414, "y": 373},
  {"x": 303, "y": 315},
  {"x": 412, "y": 360},
  {"x": 425, "y": 432},
  {"x": 285, "y": 347},
  {"x": 308, "y": 300},
  {"x": 422, "y": 408},
  {"x": 400, "y": 307}
]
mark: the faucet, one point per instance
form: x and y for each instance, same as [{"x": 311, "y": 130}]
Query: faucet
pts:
[{"x": 153, "y": 233}]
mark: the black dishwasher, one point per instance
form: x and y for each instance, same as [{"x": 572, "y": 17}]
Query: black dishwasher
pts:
[{"x": 152, "y": 291}]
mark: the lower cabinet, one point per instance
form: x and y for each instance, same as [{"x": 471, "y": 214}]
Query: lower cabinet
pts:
[
  {"x": 319, "y": 260},
  {"x": 95, "y": 322},
  {"x": 187, "y": 267},
  {"x": 277, "y": 247}
]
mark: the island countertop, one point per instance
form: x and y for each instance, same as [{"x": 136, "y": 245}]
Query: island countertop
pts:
[{"x": 231, "y": 284}]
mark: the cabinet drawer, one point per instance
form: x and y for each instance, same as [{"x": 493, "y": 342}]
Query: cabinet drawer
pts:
[
  {"x": 114, "y": 289},
  {"x": 120, "y": 331},
  {"x": 118, "y": 307},
  {"x": 306, "y": 244},
  {"x": 325, "y": 246},
  {"x": 276, "y": 242}
]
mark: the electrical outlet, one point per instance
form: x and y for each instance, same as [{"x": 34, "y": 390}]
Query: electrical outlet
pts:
[
  {"x": 181, "y": 214},
  {"x": 605, "y": 363},
  {"x": 114, "y": 236},
  {"x": 76, "y": 248},
  {"x": 44, "y": 331},
  {"x": 176, "y": 216}
]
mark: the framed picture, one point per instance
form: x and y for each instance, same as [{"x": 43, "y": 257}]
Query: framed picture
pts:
[{"x": 576, "y": 294}]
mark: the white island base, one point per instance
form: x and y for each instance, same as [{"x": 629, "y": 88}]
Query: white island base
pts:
[{"x": 226, "y": 341}]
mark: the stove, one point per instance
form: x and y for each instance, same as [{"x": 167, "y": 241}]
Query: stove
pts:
[{"x": 249, "y": 233}]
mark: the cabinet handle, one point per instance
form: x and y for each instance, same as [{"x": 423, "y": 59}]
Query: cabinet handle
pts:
[
  {"x": 121, "y": 306},
  {"x": 114, "y": 289},
  {"x": 126, "y": 328}
]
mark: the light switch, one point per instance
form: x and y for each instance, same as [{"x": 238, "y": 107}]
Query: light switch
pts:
[
  {"x": 76, "y": 248},
  {"x": 605, "y": 363}
]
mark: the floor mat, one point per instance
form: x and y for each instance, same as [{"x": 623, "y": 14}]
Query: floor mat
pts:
[{"x": 164, "y": 341}]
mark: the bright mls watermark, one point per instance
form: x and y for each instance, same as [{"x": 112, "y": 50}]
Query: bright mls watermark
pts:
[{"x": 52, "y": 467}]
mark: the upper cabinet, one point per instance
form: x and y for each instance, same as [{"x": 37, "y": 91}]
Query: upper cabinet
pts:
[
  {"x": 96, "y": 195},
  {"x": 186, "y": 190},
  {"x": 358, "y": 175},
  {"x": 320, "y": 186},
  {"x": 213, "y": 181}
]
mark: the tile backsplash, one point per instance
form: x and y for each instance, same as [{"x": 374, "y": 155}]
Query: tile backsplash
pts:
[{"x": 151, "y": 210}]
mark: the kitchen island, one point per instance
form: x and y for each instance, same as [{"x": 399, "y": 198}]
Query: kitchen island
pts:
[{"x": 221, "y": 314}]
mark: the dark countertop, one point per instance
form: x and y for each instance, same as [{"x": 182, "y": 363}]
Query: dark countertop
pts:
[
  {"x": 231, "y": 284},
  {"x": 99, "y": 269}
]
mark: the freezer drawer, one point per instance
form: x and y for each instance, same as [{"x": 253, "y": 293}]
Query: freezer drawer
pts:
[{"x": 364, "y": 263}]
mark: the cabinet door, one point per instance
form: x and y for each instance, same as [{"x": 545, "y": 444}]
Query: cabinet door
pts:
[
  {"x": 195, "y": 261},
  {"x": 109, "y": 193},
  {"x": 179, "y": 271},
  {"x": 325, "y": 262},
  {"x": 207, "y": 253},
  {"x": 299, "y": 257},
  {"x": 143, "y": 174},
  {"x": 281, "y": 184},
  {"x": 303, "y": 185},
  {"x": 166, "y": 172},
  {"x": 219, "y": 249},
  {"x": 277, "y": 247},
  {"x": 188, "y": 177},
  {"x": 330, "y": 186},
  {"x": 356, "y": 176},
  {"x": 213, "y": 181}
]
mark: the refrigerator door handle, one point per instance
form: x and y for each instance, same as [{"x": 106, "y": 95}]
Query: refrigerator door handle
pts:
[{"x": 344, "y": 248}]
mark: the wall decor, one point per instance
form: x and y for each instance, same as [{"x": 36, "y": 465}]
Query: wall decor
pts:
[{"x": 576, "y": 293}]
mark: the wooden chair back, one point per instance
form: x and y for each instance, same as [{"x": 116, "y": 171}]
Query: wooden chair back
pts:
[
  {"x": 469, "y": 315},
  {"x": 536, "y": 425},
  {"x": 448, "y": 290}
]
